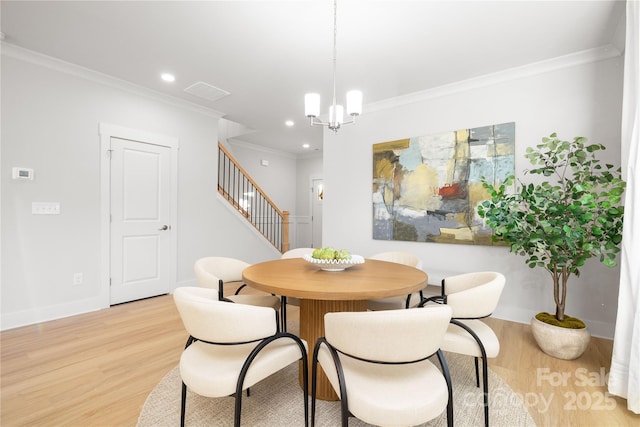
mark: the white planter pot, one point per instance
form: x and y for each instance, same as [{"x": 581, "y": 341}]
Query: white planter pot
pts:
[{"x": 562, "y": 343}]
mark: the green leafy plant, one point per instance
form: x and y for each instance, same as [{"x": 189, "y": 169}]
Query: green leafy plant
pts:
[{"x": 572, "y": 214}]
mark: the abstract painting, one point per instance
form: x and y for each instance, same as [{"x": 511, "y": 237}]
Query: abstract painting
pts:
[{"x": 427, "y": 188}]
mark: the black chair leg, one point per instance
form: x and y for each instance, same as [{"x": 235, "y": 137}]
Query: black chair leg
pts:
[
  {"x": 283, "y": 312},
  {"x": 447, "y": 377},
  {"x": 485, "y": 374},
  {"x": 305, "y": 386},
  {"x": 183, "y": 404},
  {"x": 314, "y": 371},
  {"x": 238, "y": 410},
  {"x": 485, "y": 379}
]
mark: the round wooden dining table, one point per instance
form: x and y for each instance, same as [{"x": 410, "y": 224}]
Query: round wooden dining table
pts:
[{"x": 322, "y": 292}]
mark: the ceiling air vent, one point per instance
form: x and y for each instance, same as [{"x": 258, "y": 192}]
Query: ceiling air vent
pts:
[{"x": 206, "y": 91}]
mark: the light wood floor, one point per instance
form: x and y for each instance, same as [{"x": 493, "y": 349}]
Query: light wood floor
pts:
[{"x": 97, "y": 369}]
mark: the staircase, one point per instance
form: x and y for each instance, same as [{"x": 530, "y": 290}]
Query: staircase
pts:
[{"x": 246, "y": 197}]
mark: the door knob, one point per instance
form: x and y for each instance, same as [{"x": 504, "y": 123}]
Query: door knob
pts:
[{"x": 164, "y": 228}]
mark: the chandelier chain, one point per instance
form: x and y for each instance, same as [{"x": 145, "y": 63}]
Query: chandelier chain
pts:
[{"x": 335, "y": 54}]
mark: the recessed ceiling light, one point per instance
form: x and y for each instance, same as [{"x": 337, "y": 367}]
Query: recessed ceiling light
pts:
[
  {"x": 289, "y": 123},
  {"x": 305, "y": 145},
  {"x": 168, "y": 77}
]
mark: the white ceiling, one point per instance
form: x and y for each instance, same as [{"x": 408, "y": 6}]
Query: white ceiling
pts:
[{"x": 268, "y": 54}]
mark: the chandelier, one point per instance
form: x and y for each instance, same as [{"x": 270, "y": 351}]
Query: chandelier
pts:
[{"x": 336, "y": 112}]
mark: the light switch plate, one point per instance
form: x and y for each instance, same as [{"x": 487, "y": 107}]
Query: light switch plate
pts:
[{"x": 45, "y": 208}]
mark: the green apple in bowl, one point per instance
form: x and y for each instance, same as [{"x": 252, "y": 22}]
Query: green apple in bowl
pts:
[{"x": 329, "y": 253}]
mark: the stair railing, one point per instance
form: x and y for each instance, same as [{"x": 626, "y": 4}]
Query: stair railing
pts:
[{"x": 242, "y": 192}]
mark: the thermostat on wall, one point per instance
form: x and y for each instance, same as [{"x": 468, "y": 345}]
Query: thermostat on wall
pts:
[{"x": 23, "y": 173}]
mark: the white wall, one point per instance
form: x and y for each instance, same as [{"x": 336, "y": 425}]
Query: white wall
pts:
[
  {"x": 309, "y": 167},
  {"x": 286, "y": 180},
  {"x": 277, "y": 179},
  {"x": 50, "y": 123},
  {"x": 50, "y": 117},
  {"x": 576, "y": 99}
]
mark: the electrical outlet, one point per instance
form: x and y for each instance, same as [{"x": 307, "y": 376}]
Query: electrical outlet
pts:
[{"x": 77, "y": 279}]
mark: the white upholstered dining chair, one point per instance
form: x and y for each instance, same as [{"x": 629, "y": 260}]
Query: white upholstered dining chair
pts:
[
  {"x": 297, "y": 253},
  {"x": 232, "y": 347},
  {"x": 215, "y": 272},
  {"x": 393, "y": 303},
  {"x": 291, "y": 253},
  {"x": 472, "y": 296},
  {"x": 378, "y": 364}
]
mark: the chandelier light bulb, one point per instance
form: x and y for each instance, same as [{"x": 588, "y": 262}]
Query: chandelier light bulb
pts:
[
  {"x": 354, "y": 103},
  {"x": 312, "y": 105}
]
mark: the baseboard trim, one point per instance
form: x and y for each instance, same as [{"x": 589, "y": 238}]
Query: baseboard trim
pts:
[
  {"x": 52, "y": 312},
  {"x": 596, "y": 328},
  {"x": 59, "y": 311},
  {"x": 44, "y": 314}
]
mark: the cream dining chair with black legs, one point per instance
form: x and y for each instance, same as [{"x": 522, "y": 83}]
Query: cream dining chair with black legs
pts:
[
  {"x": 231, "y": 347},
  {"x": 215, "y": 272},
  {"x": 378, "y": 364},
  {"x": 394, "y": 303},
  {"x": 471, "y": 296},
  {"x": 291, "y": 253}
]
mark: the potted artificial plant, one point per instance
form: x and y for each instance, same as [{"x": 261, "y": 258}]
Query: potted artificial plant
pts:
[{"x": 572, "y": 213}]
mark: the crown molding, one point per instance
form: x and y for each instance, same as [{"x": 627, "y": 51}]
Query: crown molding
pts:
[
  {"x": 26, "y": 55},
  {"x": 310, "y": 155},
  {"x": 567, "y": 61},
  {"x": 261, "y": 148}
]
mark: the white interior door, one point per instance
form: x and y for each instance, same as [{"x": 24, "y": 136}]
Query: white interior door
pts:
[
  {"x": 317, "y": 196},
  {"x": 140, "y": 200}
]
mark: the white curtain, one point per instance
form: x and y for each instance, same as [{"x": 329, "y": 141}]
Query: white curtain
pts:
[{"x": 624, "y": 378}]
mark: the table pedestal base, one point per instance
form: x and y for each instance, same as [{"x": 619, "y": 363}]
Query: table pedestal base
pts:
[{"x": 312, "y": 327}]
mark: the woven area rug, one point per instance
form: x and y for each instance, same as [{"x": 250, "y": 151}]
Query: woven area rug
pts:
[{"x": 277, "y": 401}]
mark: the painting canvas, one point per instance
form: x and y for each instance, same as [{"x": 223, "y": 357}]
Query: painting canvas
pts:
[{"x": 427, "y": 188}]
